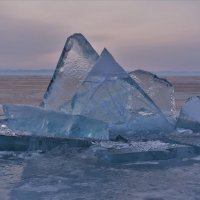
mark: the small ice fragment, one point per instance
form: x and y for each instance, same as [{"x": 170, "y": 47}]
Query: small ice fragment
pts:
[
  {"x": 3, "y": 126},
  {"x": 1, "y": 112},
  {"x": 189, "y": 117}
]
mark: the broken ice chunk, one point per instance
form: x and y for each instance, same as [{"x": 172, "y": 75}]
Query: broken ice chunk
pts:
[
  {"x": 159, "y": 90},
  {"x": 76, "y": 60},
  {"x": 189, "y": 117},
  {"x": 1, "y": 113},
  {"x": 109, "y": 94},
  {"x": 43, "y": 122},
  {"x": 115, "y": 152}
]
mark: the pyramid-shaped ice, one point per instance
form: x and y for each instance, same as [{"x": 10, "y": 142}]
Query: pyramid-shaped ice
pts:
[
  {"x": 109, "y": 94},
  {"x": 76, "y": 60}
]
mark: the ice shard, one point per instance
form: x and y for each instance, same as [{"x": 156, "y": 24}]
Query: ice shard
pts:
[
  {"x": 76, "y": 60},
  {"x": 189, "y": 117},
  {"x": 109, "y": 94},
  {"x": 41, "y": 122},
  {"x": 159, "y": 90}
]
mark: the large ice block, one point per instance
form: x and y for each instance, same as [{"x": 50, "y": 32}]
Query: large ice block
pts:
[
  {"x": 76, "y": 60},
  {"x": 109, "y": 94},
  {"x": 189, "y": 117},
  {"x": 159, "y": 90},
  {"x": 41, "y": 122}
]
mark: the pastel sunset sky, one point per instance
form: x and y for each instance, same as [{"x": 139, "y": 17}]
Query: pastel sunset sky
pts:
[{"x": 161, "y": 35}]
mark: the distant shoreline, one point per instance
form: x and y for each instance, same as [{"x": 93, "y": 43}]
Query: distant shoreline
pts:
[
  {"x": 30, "y": 89},
  {"x": 50, "y": 72},
  {"x": 26, "y": 72}
]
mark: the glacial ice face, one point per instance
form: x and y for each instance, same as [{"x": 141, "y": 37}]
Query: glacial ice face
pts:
[
  {"x": 189, "y": 117},
  {"x": 76, "y": 60},
  {"x": 109, "y": 94},
  {"x": 159, "y": 90},
  {"x": 41, "y": 122}
]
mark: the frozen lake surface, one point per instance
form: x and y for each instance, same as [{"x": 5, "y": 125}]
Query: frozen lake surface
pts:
[
  {"x": 76, "y": 174},
  {"x": 87, "y": 173}
]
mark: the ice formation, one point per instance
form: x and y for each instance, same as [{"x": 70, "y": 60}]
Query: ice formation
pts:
[
  {"x": 159, "y": 90},
  {"x": 109, "y": 94},
  {"x": 41, "y": 122},
  {"x": 189, "y": 117},
  {"x": 76, "y": 60},
  {"x": 97, "y": 97}
]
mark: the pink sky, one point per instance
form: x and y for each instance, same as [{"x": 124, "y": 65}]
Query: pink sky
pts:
[{"x": 152, "y": 35}]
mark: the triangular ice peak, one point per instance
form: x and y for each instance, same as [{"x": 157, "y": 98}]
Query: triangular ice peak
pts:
[
  {"x": 106, "y": 67},
  {"x": 109, "y": 94},
  {"x": 76, "y": 60}
]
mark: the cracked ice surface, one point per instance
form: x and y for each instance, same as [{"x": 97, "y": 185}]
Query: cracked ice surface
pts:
[{"x": 76, "y": 60}]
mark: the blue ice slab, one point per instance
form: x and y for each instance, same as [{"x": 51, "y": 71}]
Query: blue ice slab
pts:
[
  {"x": 41, "y": 122},
  {"x": 189, "y": 117}
]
